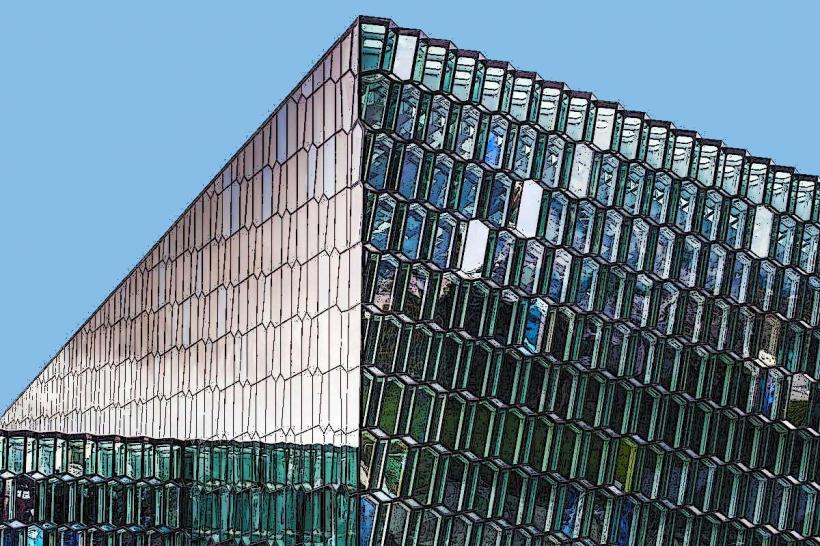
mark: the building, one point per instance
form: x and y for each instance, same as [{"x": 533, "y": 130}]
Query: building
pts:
[{"x": 438, "y": 300}]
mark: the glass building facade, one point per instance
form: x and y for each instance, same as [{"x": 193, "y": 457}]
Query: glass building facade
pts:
[
  {"x": 112, "y": 491},
  {"x": 437, "y": 300},
  {"x": 213, "y": 397}
]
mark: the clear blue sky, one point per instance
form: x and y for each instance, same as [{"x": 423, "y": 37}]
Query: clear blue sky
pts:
[{"x": 113, "y": 117}]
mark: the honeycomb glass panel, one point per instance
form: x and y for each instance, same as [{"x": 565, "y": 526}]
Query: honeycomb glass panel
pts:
[{"x": 619, "y": 344}]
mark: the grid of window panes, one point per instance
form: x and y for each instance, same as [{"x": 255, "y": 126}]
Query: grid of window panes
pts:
[
  {"x": 581, "y": 325},
  {"x": 79, "y": 490},
  {"x": 242, "y": 323}
]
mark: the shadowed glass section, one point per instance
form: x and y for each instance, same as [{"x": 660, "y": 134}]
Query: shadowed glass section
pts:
[{"x": 67, "y": 490}]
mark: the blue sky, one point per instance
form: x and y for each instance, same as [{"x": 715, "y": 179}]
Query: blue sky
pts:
[{"x": 114, "y": 116}]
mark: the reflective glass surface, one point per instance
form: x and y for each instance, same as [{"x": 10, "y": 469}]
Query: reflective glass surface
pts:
[
  {"x": 437, "y": 300},
  {"x": 580, "y": 325}
]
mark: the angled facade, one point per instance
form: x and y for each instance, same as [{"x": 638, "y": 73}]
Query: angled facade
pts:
[
  {"x": 214, "y": 395},
  {"x": 439, "y": 300}
]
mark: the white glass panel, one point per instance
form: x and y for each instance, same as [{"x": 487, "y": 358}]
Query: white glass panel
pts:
[
  {"x": 405, "y": 55},
  {"x": 530, "y": 208},
  {"x": 475, "y": 247},
  {"x": 762, "y": 232},
  {"x": 581, "y": 169}
]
